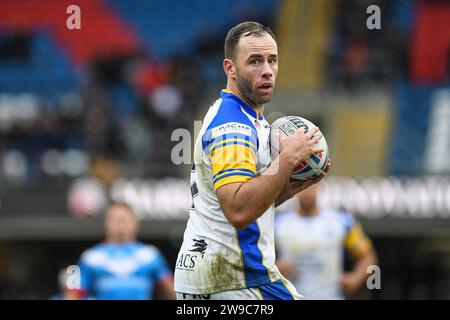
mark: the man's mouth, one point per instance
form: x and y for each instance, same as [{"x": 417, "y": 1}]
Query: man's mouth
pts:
[
  {"x": 265, "y": 85},
  {"x": 265, "y": 88}
]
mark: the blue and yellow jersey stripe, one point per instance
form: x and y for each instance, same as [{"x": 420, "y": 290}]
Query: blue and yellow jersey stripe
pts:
[
  {"x": 226, "y": 141},
  {"x": 232, "y": 163},
  {"x": 231, "y": 143}
]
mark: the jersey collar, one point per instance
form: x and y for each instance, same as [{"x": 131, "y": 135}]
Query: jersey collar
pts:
[{"x": 250, "y": 110}]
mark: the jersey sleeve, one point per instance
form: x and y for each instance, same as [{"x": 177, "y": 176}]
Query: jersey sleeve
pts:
[
  {"x": 356, "y": 241},
  {"x": 231, "y": 143}
]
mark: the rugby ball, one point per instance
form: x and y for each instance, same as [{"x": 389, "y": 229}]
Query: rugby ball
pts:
[{"x": 287, "y": 126}]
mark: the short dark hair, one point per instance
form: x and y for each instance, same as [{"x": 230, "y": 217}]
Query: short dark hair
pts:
[{"x": 244, "y": 29}]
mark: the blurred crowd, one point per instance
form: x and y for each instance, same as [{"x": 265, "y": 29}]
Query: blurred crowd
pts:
[
  {"x": 123, "y": 109},
  {"x": 360, "y": 59},
  {"x": 118, "y": 110},
  {"x": 105, "y": 122}
]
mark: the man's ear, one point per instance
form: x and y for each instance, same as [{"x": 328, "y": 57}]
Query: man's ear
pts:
[{"x": 229, "y": 68}]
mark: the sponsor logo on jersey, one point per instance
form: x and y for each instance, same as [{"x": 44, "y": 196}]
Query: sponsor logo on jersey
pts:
[
  {"x": 199, "y": 246},
  {"x": 231, "y": 127},
  {"x": 187, "y": 261}
]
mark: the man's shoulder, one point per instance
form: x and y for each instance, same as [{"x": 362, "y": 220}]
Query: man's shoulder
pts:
[
  {"x": 99, "y": 254},
  {"x": 285, "y": 219},
  {"x": 229, "y": 110},
  {"x": 95, "y": 255},
  {"x": 346, "y": 219},
  {"x": 227, "y": 120},
  {"x": 146, "y": 253}
]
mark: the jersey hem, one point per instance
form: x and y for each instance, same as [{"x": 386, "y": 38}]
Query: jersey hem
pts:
[{"x": 233, "y": 286}]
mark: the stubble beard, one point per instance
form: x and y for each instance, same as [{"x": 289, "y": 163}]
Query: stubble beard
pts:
[{"x": 245, "y": 87}]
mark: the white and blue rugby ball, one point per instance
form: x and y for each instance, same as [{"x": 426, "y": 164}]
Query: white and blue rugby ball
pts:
[{"x": 287, "y": 126}]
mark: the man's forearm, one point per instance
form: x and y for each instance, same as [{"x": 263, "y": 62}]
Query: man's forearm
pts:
[
  {"x": 255, "y": 196},
  {"x": 283, "y": 197},
  {"x": 295, "y": 186},
  {"x": 243, "y": 203},
  {"x": 360, "y": 269}
]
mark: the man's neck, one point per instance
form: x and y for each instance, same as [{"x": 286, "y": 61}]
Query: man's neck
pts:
[
  {"x": 119, "y": 240},
  {"x": 232, "y": 86},
  {"x": 308, "y": 212}
]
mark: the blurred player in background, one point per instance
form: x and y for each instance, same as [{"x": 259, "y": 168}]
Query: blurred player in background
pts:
[
  {"x": 228, "y": 249},
  {"x": 311, "y": 243},
  {"x": 121, "y": 268}
]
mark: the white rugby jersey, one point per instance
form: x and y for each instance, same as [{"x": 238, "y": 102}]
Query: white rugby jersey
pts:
[
  {"x": 232, "y": 146},
  {"x": 316, "y": 246}
]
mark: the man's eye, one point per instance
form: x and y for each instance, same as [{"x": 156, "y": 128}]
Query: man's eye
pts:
[{"x": 255, "y": 62}]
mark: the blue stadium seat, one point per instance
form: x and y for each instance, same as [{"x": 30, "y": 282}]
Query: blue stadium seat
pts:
[
  {"x": 165, "y": 27},
  {"x": 411, "y": 125},
  {"x": 172, "y": 27},
  {"x": 47, "y": 71}
]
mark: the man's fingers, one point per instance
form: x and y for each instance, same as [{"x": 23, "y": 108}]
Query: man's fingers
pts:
[
  {"x": 325, "y": 171},
  {"x": 317, "y": 150},
  {"x": 316, "y": 138},
  {"x": 312, "y": 132},
  {"x": 300, "y": 132},
  {"x": 318, "y": 178}
]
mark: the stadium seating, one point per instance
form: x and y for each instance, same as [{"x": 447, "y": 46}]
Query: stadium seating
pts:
[
  {"x": 412, "y": 107},
  {"x": 48, "y": 72},
  {"x": 183, "y": 21},
  {"x": 431, "y": 43},
  {"x": 115, "y": 27},
  {"x": 57, "y": 60}
]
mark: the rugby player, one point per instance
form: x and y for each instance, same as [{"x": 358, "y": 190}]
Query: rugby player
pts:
[
  {"x": 311, "y": 244},
  {"x": 228, "y": 247},
  {"x": 122, "y": 268}
]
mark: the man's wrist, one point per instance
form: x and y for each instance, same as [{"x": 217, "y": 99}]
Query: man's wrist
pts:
[
  {"x": 286, "y": 160},
  {"x": 286, "y": 163}
]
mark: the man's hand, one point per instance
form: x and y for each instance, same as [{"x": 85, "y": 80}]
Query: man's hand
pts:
[
  {"x": 164, "y": 289},
  {"x": 287, "y": 268},
  {"x": 244, "y": 202},
  {"x": 350, "y": 282},
  {"x": 299, "y": 146},
  {"x": 295, "y": 186}
]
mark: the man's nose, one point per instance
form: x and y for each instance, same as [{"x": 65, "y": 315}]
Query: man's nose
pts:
[{"x": 267, "y": 70}]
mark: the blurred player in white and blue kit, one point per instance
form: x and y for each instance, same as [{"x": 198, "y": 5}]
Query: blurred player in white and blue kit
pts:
[{"x": 310, "y": 246}]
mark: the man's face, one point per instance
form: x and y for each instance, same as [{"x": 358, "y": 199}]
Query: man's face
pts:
[
  {"x": 121, "y": 224},
  {"x": 256, "y": 67}
]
